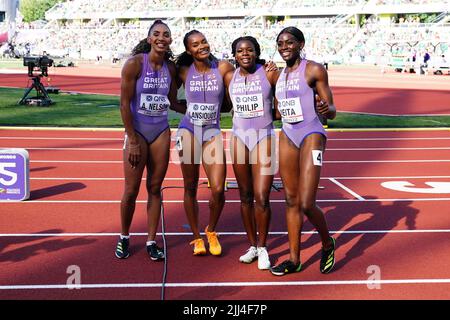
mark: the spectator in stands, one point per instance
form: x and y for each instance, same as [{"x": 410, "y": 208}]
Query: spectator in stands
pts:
[
  {"x": 426, "y": 58},
  {"x": 148, "y": 89},
  {"x": 441, "y": 65},
  {"x": 115, "y": 57},
  {"x": 424, "y": 65},
  {"x": 302, "y": 143},
  {"x": 27, "y": 49},
  {"x": 199, "y": 135}
]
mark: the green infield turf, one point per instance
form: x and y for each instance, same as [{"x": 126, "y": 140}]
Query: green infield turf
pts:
[
  {"x": 83, "y": 110},
  {"x": 12, "y": 63}
]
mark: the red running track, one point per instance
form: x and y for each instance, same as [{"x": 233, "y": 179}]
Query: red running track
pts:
[
  {"x": 72, "y": 219},
  {"x": 387, "y": 101}
]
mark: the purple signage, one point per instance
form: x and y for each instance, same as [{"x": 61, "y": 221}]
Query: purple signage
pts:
[{"x": 14, "y": 175}]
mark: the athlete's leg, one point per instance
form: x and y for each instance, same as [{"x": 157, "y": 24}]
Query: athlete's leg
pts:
[
  {"x": 309, "y": 181},
  {"x": 157, "y": 163},
  {"x": 289, "y": 156},
  {"x": 190, "y": 167},
  {"x": 262, "y": 183},
  {"x": 214, "y": 163},
  {"x": 242, "y": 171},
  {"x": 133, "y": 177}
]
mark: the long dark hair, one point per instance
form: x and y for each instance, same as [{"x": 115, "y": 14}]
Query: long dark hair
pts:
[
  {"x": 255, "y": 44},
  {"x": 185, "y": 59},
  {"x": 293, "y": 31},
  {"x": 144, "y": 47}
]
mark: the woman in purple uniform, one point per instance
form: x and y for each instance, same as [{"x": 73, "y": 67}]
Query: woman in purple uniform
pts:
[
  {"x": 250, "y": 90},
  {"x": 147, "y": 92},
  {"x": 302, "y": 143},
  {"x": 199, "y": 136}
]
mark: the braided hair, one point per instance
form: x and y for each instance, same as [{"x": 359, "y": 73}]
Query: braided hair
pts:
[
  {"x": 144, "y": 47},
  {"x": 255, "y": 45}
]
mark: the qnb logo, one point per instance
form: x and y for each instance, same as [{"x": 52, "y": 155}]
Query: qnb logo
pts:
[
  {"x": 195, "y": 107},
  {"x": 159, "y": 99},
  {"x": 287, "y": 103},
  {"x": 149, "y": 98},
  {"x": 249, "y": 99},
  {"x": 11, "y": 175},
  {"x": 238, "y": 100}
]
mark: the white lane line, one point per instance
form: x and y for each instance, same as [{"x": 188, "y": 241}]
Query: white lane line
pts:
[
  {"x": 227, "y": 201},
  {"x": 387, "y": 149},
  {"x": 92, "y": 179},
  {"x": 231, "y": 178},
  {"x": 389, "y": 177},
  {"x": 189, "y": 234},
  {"x": 353, "y": 193},
  {"x": 386, "y": 139},
  {"x": 230, "y": 162},
  {"x": 225, "y": 131},
  {"x": 121, "y": 139},
  {"x": 79, "y": 161},
  {"x": 59, "y": 138},
  {"x": 226, "y": 284},
  {"x": 67, "y": 149},
  {"x": 227, "y": 149},
  {"x": 386, "y": 161}
]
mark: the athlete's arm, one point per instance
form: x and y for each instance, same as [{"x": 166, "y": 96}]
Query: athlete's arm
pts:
[
  {"x": 182, "y": 74},
  {"x": 272, "y": 77},
  {"x": 275, "y": 112},
  {"x": 227, "y": 100},
  {"x": 226, "y": 70},
  {"x": 129, "y": 76},
  {"x": 175, "y": 104},
  {"x": 317, "y": 78}
]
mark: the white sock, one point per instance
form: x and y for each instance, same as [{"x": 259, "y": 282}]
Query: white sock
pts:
[
  {"x": 124, "y": 237},
  {"x": 151, "y": 242}
]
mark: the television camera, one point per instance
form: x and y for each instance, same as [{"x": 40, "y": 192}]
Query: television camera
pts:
[{"x": 37, "y": 64}]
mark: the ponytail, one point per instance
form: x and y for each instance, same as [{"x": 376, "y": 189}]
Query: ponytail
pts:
[{"x": 184, "y": 60}]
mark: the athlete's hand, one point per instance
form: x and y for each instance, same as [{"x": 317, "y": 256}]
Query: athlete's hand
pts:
[
  {"x": 270, "y": 66},
  {"x": 321, "y": 106},
  {"x": 134, "y": 154}
]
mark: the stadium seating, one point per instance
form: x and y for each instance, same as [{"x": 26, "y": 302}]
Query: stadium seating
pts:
[{"x": 337, "y": 31}]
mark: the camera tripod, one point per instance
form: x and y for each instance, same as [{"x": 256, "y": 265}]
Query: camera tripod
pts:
[{"x": 42, "y": 98}]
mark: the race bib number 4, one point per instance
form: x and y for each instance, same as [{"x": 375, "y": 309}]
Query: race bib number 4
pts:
[
  {"x": 153, "y": 105},
  {"x": 202, "y": 114},
  {"x": 248, "y": 106},
  {"x": 290, "y": 110}
]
